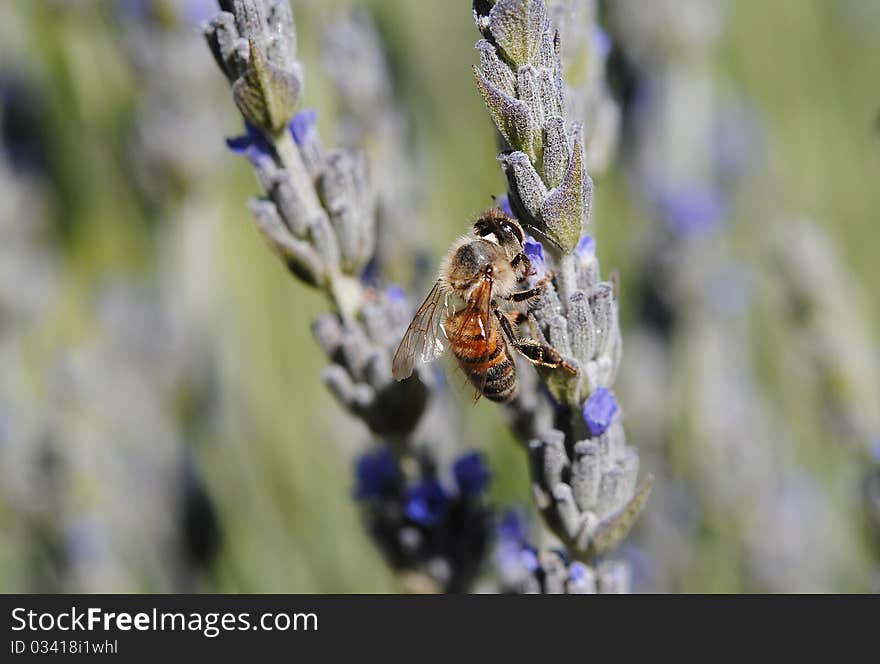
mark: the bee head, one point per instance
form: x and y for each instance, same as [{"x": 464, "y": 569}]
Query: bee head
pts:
[{"x": 495, "y": 226}]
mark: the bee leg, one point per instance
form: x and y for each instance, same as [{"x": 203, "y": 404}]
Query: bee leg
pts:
[
  {"x": 523, "y": 266},
  {"x": 537, "y": 352},
  {"x": 522, "y": 296},
  {"x": 544, "y": 355}
]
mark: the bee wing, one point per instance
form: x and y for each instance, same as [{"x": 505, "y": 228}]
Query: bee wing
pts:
[
  {"x": 479, "y": 310},
  {"x": 421, "y": 336}
]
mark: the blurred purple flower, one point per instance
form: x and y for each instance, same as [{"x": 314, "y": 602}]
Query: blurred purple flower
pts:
[
  {"x": 603, "y": 42},
  {"x": 512, "y": 528},
  {"x": 504, "y": 204},
  {"x": 426, "y": 502},
  {"x": 395, "y": 294},
  {"x": 693, "y": 209},
  {"x": 586, "y": 248},
  {"x": 370, "y": 273},
  {"x": 599, "y": 411},
  {"x": 528, "y": 558},
  {"x": 376, "y": 473},
  {"x": 197, "y": 12},
  {"x": 303, "y": 126},
  {"x": 192, "y": 12},
  {"x": 641, "y": 566},
  {"x": 577, "y": 572},
  {"x": 514, "y": 553},
  {"x": 875, "y": 449},
  {"x": 252, "y": 145},
  {"x": 471, "y": 474}
]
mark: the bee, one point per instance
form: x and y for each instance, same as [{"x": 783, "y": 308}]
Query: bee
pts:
[{"x": 483, "y": 270}]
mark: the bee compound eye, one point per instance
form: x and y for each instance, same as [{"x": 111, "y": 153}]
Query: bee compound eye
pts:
[{"x": 514, "y": 230}]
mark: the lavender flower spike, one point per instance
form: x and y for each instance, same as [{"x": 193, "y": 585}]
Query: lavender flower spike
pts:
[
  {"x": 318, "y": 213},
  {"x": 583, "y": 472}
]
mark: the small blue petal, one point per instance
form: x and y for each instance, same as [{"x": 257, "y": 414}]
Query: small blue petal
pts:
[
  {"x": 599, "y": 411},
  {"x": 370, "y": 273},
  {"x": 302, "y": 125},
  {"x": 692, "y": 210},
  {"x": 376, "y": 474},
  {"x": 529, "y": 559},
  {"x": 577, "y": 572},
  {"x": 512, "y": 528},
  {"x": 504, "y": 203},
  {"x": 239, "y": 144},
  {"x": 252, "y": 145},
  {"x": 585, "y": 248},
  {"x": 875, "y": 449},
  {"x": 471, "y": 474},
  {"x": 395, "y": 294},
  {"x": 197, "y": 12},
  {"x": 642, "y": 567},
  {"x": 426, "y": 502},
  {"x": 602, "y": 40},
  {"x": 535, "y": 251}
]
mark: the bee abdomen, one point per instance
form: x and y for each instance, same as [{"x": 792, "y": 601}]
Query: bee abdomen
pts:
[
  {"x": 487, "y": 363},
  {"x": 467, "y": 359},
  {"x": 500, "y": 382}
]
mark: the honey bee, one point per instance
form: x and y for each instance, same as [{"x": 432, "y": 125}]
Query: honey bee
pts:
[{"x": 483, "y": 269}]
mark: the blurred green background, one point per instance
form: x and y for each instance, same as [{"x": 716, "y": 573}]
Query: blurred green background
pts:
[{"x": 128, "y": 182}]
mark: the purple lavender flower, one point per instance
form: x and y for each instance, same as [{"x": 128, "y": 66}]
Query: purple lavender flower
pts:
[
  {"x": 577, "y": 572},
  {"x": 535, "y": 251},
  {"x": 395, "y": 293},
  {"x": 426, "y": 502},
  {"x": 599, "y": 411},
  {"x": 512, "y": 527},
  {"x": 586, "y": 248},
  {"x": 693, "y": 209},
  {"x": 303, "y": 126},
  {"x": 252, "y": 145},
  {"x": 196, "y": 12},
  {"x": 602, "y": 40},
  {"x": 528, "y": 558},
  {"x": 514, "y": 553},
  {"x": 377, "y": 474},
  {"x": 875, "y": 449},
  {"x": 471, "y": 474},
  {"x": 504, "y": 204}
]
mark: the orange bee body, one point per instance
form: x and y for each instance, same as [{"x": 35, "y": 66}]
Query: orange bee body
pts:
[
  {"x": 482, "y": 269},
  {"x": 483, "y": 355}
]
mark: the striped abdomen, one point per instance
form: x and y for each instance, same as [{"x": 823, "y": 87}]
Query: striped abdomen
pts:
[{"x": 488, "y": 366}]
